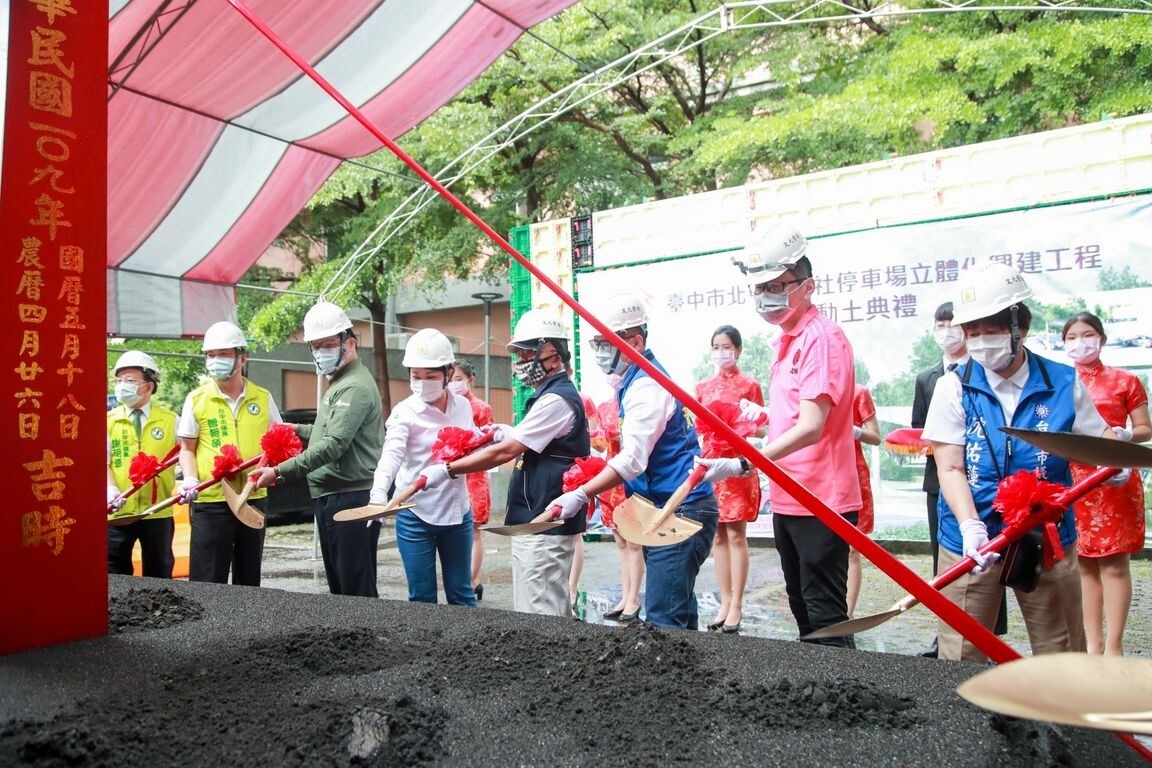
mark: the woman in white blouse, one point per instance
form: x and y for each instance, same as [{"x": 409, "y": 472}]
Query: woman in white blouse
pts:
[{"x": 441, "y": 521}]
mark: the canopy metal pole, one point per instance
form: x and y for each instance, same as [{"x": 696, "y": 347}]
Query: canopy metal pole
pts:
[{"x": 487, "y": 297}]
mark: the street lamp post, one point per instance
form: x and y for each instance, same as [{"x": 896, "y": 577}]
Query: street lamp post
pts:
[{"x": 487, "y": 297}]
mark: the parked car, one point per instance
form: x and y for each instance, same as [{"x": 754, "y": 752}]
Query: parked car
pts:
[{"x": 290, "y": 502}]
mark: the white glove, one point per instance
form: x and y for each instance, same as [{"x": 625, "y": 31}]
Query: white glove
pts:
[
  {"x": 188, "y": 492},
  {"x": 114, "y": 499},
  {"x": 499, "y": 432},
  {"x": 570, "y": 503},
  {"x": 377, "y": 496},
  {"x": 751, "y": 411},
  {"x": 435, "y": 475},
  {"x": 1123, "y": 433},
  {"x": 975, "y": 535},
  {"x": 1119, "y": 479},
  {"x": 719, "y": 469},
  {"x": 856, "y": 433}
]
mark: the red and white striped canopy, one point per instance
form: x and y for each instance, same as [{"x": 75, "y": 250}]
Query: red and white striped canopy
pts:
[{"x": 216, "y": 139}]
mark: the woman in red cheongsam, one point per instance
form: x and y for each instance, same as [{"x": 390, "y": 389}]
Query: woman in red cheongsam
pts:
[
  {"x": 865, "y": 430},
  {"x": 739, "y": 497},
  {"x": 1109, "y": 521},
  {"x": 479, "y": 495},
  {"x": 606, "y": 440}
]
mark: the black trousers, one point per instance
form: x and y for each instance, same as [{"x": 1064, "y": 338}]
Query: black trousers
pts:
[
  {"x": 348, "y": 548},
  {"x": 155, "y": 537},
  {"x": 815, "y": 565},
  {"x": 221, "y": 543}
]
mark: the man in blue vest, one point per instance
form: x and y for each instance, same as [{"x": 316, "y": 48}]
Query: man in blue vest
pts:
[
  {"x": 658, "y": 444},
  {"x": 546, "y": 442},
  {"x": 1004, "y": 385}
]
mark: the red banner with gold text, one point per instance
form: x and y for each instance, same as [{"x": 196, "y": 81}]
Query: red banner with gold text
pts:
[{"x": 53, "y": 534}]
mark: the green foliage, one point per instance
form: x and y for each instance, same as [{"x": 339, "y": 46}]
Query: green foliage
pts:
[{"x": 1111, "y": 279}]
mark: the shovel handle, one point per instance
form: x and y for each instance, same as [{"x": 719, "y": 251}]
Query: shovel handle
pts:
[
  {"x": 677, "y": 498},
  {"x": 169, "y": 460},
  {"x": 548, "y": 515},
  {"x": 200, "y": 486}
]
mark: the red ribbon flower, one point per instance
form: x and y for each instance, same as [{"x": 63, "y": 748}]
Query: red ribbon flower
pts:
[
  {"x": 280, "y": 443},
  {"x": 226, "y": 463},
  {"x": 143, "y": 468},
  {"x": 1023, "y": 495},
  {"x": 715, "y": 444},
  {"x": 454, "y": 443},
  {"x": 582, "y": 471}
]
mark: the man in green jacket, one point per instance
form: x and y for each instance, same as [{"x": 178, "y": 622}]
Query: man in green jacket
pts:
[{"x": 343, "y": 447}]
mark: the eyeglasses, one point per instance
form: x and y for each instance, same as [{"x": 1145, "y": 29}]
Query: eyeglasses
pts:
[
  {"x": 775, "y": 288},
  {"x": 603, "y": 345},
  {"x": 325, "y": 344},
  {"x": 133, "y": 382}
]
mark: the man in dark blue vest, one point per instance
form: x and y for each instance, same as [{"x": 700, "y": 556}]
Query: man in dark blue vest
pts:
[
  {"x": 658, "y": 444},
  {"x": 546, "y": 442}
]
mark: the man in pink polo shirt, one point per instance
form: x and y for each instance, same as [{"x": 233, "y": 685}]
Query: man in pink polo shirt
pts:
[{"x": 810, "y": 429}]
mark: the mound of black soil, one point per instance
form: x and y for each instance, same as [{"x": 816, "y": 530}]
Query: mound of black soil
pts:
[{"x": 142, "y": 609}]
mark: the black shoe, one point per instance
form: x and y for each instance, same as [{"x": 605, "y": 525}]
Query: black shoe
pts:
[
  {"x": 628, "y": 618},
  {"x": 479, "y": 590},
  {"x": 932, "y": 650},
  {"x": 716, "y": 626},
  {"x": 731, "y": 629},
  {"x": 614, "y": 614}
]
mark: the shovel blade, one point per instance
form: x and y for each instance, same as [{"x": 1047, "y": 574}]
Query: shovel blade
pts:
[
  {"x": 852, "y": 626},
  {"x": 370, "y": 512},
  {"x": 523, "y": 529},
  {"x": 1085, "y": 449},
  {"x": 244, "y": 512},
  {"x": 637, "y": 513},
  {"x": 116, "y": 522},
  {"x": 1068, "y": 688}
]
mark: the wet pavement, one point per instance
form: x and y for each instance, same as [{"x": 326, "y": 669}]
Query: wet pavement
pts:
[{"x": 289, "y": 564}]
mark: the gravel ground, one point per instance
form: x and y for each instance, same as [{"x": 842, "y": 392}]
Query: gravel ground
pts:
[{"x": 213, "y": 675}]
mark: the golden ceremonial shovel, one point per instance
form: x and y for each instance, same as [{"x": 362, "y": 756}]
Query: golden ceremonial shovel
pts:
[
  {"x": 244, "y": 512},
  {"x": 637, "y": 513},
  {"x": 539, "y": 524}
]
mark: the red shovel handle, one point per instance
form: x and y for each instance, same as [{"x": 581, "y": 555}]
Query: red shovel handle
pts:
[
  {"x": 677, "y": 497},
  {"x": 169, "y": 460}
]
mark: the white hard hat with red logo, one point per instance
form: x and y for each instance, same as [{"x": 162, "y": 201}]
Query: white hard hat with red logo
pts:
[
  {"x": 428, "y": 348},
  {"x": 985, "y": 291},
  {"x": 223, "y": 335},
  {"x": 770, "y": 253},
  {"x": 325, "y": 319}
]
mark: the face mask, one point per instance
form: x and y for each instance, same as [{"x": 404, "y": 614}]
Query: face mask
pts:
[
  {"x": 128, "y": 395},
  {"x": 220, "y": 368},
  {"x": 950, "y": 339},
  {"x": 615, "y": 380},
  {"x": 428, "y": 390},
  {"x": 993, "y": 351},
  {"x": 608, "y": 362},
  {"x": 1085, "y": 350},
  {"x": 531, "y": 372},
  {"x": 724, "y": 359},
  {"x": 774, "y": 307},
  {"x": 328, "y": 360},
  {"x": 458, "y": 387}
]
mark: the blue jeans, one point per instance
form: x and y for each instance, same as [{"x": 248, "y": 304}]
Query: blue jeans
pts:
[
  {"x": 670, "y": 596},
  {"x": 419, "y": 542}
]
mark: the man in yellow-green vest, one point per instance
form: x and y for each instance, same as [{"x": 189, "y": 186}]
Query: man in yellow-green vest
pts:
[
  {"x": 137, "y": 424},
  {"x": 227, "y": 410}
]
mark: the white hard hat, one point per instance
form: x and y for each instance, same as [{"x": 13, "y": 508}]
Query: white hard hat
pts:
[
  {"x": 770, "y": 253},
  {"x": 428, "y": 348},
  {"x": 986, "y": 291},
  {"x": 136, "y": 359},
  {"x": 534, "y": 326},
  {"x": 624, "y": 311},
  {"x": 325, "y": 319},
  {"x": 223, "y": 335}
]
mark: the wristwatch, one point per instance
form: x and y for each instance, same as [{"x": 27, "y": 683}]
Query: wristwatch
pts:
[
  {"x": 745, "y": 466},
  {"x": 279, "y": 476},
  {"x": 448, "y": 469}
]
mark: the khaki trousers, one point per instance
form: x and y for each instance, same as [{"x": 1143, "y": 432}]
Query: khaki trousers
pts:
[
  {"x": 541, "y": 566},
  {"x": 1052, "y": 612}
]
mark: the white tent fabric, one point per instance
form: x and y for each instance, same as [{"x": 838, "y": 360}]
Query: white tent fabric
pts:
[{"x": 216, "y": 139}]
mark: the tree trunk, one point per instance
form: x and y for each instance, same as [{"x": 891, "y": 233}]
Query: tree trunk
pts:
[{"x": 380, "y": 352}]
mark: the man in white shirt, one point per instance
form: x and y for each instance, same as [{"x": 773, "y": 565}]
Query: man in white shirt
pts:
[
  {"x": 1004, "y": 385},
  {"x": 550, "y": 437}
]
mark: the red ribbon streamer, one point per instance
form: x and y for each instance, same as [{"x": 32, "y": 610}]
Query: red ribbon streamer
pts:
[
  {"x": 716, "y": 444},
  {"x": 1024, "y": 494},
  {"x": 582, "y": 471}
]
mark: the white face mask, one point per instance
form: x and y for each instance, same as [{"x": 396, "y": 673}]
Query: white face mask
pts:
[
  {"x": 776, "y": 308},
  {"x": 428, "y": 390},
  {"x": 128, "y": 394},
  {"x": 993, "y": 351},
  {"x": 220, "y": 368},
  {"x": 950, "y": 339},
  {"x": 328, "y": 360},
  {"x": 724, "y": 359},
  {"x": 1084, "y": 350},
  {"x": 605, "y": 359},
  {"x": 458, "y": 387}
]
